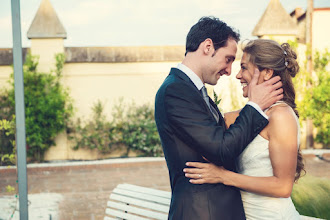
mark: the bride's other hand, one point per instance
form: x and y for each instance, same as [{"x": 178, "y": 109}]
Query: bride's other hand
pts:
[{"x": 200, "y": 173}]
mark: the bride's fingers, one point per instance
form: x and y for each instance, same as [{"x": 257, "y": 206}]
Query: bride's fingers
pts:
[
  {"x": 192, "y": 170},
  {"x": 196, "y": 164},
  {"x": 197, "y": 181}
]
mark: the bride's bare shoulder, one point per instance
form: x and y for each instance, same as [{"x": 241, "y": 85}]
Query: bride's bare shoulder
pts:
[{"x": 282, "y": 117}]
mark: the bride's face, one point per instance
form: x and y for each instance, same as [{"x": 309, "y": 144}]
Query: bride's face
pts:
[{"x": 245, "y": 74}]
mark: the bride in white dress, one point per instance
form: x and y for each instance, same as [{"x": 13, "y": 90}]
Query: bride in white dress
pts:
[{"x": 271, "y": 163}]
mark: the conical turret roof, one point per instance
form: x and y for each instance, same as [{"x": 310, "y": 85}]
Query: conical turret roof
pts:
[
  {"x": 275, "y": 21},
  {"x": 46, "y": 23}
]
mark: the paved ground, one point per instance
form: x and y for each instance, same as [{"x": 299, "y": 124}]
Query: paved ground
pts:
[
  {"x": 79, "y": 191},
  {"x": 84, "y": 189}
]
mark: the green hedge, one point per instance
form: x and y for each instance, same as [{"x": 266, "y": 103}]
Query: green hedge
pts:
[{"x": 131, "y": 127}]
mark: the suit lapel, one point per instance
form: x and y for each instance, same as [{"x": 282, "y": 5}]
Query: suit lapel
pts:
[{"x": 184, "y": 77}]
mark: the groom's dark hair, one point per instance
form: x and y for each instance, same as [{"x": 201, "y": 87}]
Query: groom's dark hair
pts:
[{"x": 210, "y": 27}]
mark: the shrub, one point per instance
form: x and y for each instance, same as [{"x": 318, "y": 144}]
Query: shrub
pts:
[
  {"x": 6, "y": 115},
  {"x": 316, "y": 101},
  {"x": 47, "y": 106},
  {"x": 95, "y": 134},
  {"x": 138, "y": 128},
  {"x": 8, "y": 155},
  {"x": 132, "y": 128}
]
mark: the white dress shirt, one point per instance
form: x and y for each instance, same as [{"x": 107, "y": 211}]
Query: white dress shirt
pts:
[{"x": 199, "y": 84}]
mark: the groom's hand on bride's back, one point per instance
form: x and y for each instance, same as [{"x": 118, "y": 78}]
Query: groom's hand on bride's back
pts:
[{"x": 267, "y": 93}]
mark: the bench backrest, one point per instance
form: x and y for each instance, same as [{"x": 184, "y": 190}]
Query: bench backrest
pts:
[{"x": 139, "y": 203}]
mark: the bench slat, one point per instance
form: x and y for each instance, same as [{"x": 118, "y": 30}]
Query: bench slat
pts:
[
  {"x": 138, "y": 211},
  {"x": 122, "y": 215},
  {"x": 146, "y": 190},
  {"x": 108, "y": 218},
  {"x": 144, "y": 204},
  {"x": 142, "y": 196}
]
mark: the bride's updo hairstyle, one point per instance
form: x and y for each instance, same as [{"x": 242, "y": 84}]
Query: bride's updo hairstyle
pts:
[{"x": 268, "y": 54}]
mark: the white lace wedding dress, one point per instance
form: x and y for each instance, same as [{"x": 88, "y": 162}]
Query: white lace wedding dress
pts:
[{"x": 255, "y": 161}]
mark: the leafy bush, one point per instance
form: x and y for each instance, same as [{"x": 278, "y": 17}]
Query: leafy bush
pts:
[
  {"x": 6, "y": 114},
  {"x": 8, "y": 155},
  {"x": 95, "y": 134},
  {"x": 47, "y": 106},
  {"x": 316, "y": 101},
  {"x": 132, "y": 128},
  {"x": 138, "y": 128},
  {"x": 311, "y": 197}
]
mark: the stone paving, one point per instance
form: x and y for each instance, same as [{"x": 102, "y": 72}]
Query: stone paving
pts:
[
  {"x": 80, "y": 191},
  {"x": 84, "y": 189}
]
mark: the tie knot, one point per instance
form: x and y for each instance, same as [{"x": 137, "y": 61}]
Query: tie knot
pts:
[{"x": 204, "y": 92}]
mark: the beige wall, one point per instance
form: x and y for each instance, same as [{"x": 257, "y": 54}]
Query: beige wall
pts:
[
  {"x": 46, "y": 50},
  {"x": 107, "y": 82},
  {"x": 89, "y": 82},
  {"x": 5, "y": 72},
  {"x": 321, "y": 31}
]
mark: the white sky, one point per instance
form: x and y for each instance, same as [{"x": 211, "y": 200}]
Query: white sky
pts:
[{"x": 139, "y": 22}]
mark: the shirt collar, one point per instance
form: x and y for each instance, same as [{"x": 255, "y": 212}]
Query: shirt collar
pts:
[{"x": 192, "y": 76}]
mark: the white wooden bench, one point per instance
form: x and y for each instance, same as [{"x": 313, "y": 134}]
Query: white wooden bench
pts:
[
  {"x": 133, "y": 202},
  {"x": 137, "y": 203}
]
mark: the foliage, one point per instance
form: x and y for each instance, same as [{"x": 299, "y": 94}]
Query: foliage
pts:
[
  {"x": 47, "y": 106},
  {"x": 316, "y": 101},
  {"x": 311, "y": 197},
  {"x": 95, "y": 134},
  {"x": 137, "y": 127},
  {"x": 8, "y": 155},
  {"x": 217, "y": 100},
  {"x": 293, "y": 44},
  {"x": 132, "y": 127},
  {"x": 10, "y": 189},
  {"x": 60, "y": 60}
]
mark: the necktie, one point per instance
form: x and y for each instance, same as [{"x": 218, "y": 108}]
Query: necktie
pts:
[{"x": 206, "y": 99}]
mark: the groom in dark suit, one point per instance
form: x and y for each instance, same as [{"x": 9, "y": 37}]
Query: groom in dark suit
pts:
[{"x": 191, "y": 127}]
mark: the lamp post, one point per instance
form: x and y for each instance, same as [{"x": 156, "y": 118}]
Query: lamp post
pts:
[
  {"x": 309, "y": 42},
  {"x": 19, "y": 109}
]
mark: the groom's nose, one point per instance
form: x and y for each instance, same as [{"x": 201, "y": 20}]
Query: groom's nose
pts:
[{"x": 228, "y": 70}]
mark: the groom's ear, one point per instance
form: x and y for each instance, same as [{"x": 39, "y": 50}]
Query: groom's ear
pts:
[
  {"x": 268, "y": 74},
  {"x": 207, "y": 46}
]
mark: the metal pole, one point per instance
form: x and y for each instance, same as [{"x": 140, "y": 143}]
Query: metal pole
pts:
[
  {"x": 19, "y": 109},
  {"x": 309, "y": 42}
]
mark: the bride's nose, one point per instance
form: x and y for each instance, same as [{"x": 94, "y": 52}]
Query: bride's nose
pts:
[{"x": 239, "y": 75}]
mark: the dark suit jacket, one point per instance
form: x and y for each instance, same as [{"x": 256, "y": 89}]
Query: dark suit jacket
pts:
[{"x": 189, "y": 131}]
